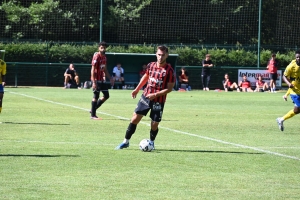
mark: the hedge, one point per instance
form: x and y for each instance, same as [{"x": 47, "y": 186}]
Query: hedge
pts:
[{"x": 188, "y": 56}]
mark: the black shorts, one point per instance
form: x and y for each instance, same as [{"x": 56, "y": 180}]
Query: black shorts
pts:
[
  {"x": 144, "y": 105},
  {"x": 273, "y": 76},
  {"x": 101, "y": 87}
]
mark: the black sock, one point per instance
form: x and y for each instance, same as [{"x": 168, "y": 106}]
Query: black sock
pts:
[
  {"x": 130, "y": 131},
  {"x": 123, "y": 83},
  {"x": 99, "y": 103},
  {"x": 93, "y": 110},
  {"x": 153, "y": 134}
]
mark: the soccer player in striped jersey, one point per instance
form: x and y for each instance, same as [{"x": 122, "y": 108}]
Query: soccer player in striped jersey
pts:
[
  {"x": 160, "y": 79},
  {"x": 291, "y": 77},
  {"x": 2, "y": 81},
  {"x": 98, "y": 73}
]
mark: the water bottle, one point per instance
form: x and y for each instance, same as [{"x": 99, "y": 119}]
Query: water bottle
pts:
[{"x": 190, "y": 88}]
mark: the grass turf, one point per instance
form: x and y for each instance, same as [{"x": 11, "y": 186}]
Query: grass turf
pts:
[{"x": 210, "y": 145}]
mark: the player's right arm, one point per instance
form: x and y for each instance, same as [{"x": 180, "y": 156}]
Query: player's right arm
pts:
[
  {"x": 142, "y": 82},
  {"x": 93, "y": 78},
  {"x": 66, "y": 74},
  {"x": 287, "y": 74}
]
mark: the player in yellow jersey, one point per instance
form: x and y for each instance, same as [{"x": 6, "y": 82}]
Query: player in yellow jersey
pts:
[
  {"x": 2, "y": 81},
  {"x": 291, "y": 77}
]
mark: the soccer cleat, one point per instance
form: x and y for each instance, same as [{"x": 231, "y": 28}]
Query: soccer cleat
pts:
[
  {"x": 122, "y": 146},
  {"x": 152, "y": 143},
  {"x": 96, "y": 118},
  {"x": 280, "y": 123},
  {"x": 284, "y": 97}
]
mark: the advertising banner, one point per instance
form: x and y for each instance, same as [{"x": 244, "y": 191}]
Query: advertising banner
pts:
[{"x": 252, "y": 76}]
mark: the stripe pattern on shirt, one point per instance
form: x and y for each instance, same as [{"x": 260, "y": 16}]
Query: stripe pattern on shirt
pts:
[{"x": 158, "y": 80}]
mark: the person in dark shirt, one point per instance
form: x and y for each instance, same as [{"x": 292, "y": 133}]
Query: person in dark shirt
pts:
[
  {"x": 71, "y": 78},
  {"x": 207, "y": 64}
]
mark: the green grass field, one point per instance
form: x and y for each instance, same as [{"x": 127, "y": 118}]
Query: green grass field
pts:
[{"x": 211, "y": 145}]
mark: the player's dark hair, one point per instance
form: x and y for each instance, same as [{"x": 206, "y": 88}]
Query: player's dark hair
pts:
[
  {"x": 163, "y": 48},
  {"x": 298, "y": 51},
  {"x": 103, "y": 44}
]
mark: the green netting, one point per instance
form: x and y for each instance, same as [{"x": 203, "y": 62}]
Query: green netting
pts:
[{"x": 152, "y": 21}]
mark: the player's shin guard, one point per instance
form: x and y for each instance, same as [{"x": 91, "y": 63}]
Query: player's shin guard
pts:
[
  {"x": 99, "y": 103},
  {"x": 130, "y": 131},
  {"x": 94, "y": 107},
  {"x": 153, "y": 134}
]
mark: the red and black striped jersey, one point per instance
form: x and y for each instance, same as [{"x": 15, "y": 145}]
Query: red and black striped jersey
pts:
[
  {"x": 158, "y": 80},
  {"x": 99, "y": 62}
]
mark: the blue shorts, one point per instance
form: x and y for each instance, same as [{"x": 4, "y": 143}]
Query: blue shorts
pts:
[
  {"x": 1, "y": 88},
  {"x": 296, "y": 99}
]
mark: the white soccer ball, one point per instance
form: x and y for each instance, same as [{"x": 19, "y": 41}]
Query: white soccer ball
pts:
[{"x": 145, "y": 145}]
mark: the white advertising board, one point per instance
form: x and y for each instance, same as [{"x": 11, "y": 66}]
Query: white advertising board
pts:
[{"x": 252, "y": 76}]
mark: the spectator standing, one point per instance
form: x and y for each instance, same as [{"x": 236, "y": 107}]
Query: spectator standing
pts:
[
  {"x": 207, "y": 64},
  {"x": 272, "y": 67}
]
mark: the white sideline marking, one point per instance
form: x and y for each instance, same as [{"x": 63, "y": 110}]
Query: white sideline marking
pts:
[{"x": 169, "y": 129}]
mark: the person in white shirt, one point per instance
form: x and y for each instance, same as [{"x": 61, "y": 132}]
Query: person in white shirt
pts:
[{"x": 118, "y": 75}]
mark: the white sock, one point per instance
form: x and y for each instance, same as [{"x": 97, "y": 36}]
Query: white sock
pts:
[
  {"x": 125, "y": 141},
  {"x": 281, "y": 118}
]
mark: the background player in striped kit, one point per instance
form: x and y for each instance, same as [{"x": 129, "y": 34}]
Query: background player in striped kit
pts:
[
  {"x": 98, "y": 73},
  {"x": 160, "y": 79}
]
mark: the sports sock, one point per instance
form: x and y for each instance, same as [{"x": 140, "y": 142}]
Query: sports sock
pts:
[
  {"x": 125, "y": 141},
  {"x": 99, "y": 103},
  {"x": 153, "y": 134},
  {"x": 93, "y": 110},
  {"x": 288, "y": 115},
  {"x": 130, "y": 131}
]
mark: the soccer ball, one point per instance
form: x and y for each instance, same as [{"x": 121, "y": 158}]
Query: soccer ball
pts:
[{"x": 145, "y": 145}]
